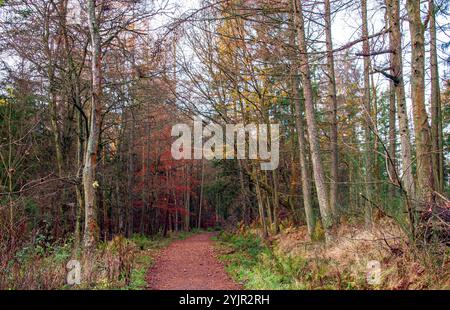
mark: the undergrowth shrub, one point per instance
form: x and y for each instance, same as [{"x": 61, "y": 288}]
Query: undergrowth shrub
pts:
[
  {"x": 116, "y": 264},
  {"x": 36, "y": 266},
  {"x": 291, "y": 262}
]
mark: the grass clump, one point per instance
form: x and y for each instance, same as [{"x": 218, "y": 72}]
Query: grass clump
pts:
[
  {"x": 258, "y": 266},
  {"x": 255, "y": 265}
]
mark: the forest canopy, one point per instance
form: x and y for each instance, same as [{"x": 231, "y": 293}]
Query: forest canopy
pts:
[{"x": 90, "y": 92}]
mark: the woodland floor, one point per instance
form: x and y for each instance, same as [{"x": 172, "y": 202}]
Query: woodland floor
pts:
[{"x": 189, "y": 264}]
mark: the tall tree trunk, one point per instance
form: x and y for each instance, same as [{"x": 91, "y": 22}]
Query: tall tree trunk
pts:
[
  {"x": 245, "y": 200},
  {"x": 166, "y": 209},
  {"x": 129, "y": 209},
  {"x": 90, "y": 161},
  {"x": 368, "y": 165},
  {"x": 49, "y": 48},
  {"x": 78, "y": 187},
  {"x": 269, "y": 211},
  {"x": 392, "y": 140},
  {"x": 319, "y": 177},
  {"x": 436, "y": 111},
  {"x": 425, "y": 180},
  {"x": 10, "y": 172},
  {"x": 176, "y": 209},
  {"x": 276, "y": 202},
  {"x": 332, "y": 103},
  {"x": 243, "y": 192},
  {"x": 74, "y": 86},
  {"x": 144, "y": 194},
  {"x": 376, "y": 172},
  {"x": 199, "y": 223},
  {"x": 395, "y": 42},
  {"x": 260, "y": 200},
  {"x": 56, "y": 134},
  {"x": 306, "y": 182},
  {"x": 391, "y": 160},
  {"x": 188, "y": 198}
]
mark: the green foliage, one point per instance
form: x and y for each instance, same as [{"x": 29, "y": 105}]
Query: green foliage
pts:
[
  {"x": 144, "y": 242},
  {"x": 157, "y": 242},
  {"x": 139, "y": 274},
  {"x": 224, "y": 190},
  {"x": 249, "y": 261},
  {"x": 43, "y": 247},
  {"x": 143, "y": 260},
  {"x": 38, "y": 265}
]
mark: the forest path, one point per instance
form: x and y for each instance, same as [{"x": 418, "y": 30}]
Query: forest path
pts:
[{"x": 189, "y": 264}]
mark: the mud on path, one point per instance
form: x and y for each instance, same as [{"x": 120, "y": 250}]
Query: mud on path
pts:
[{"x": 189, "y": 264}]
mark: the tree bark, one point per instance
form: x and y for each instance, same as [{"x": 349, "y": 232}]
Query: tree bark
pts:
[
  {"x": 78, "y": 187},
  {"x": 395, "y": 39},
  {"x": 260, "y": 200},
  {"x": 368, "y": 126},
  {"x": 332, "y": 103},
  {"x": 276, "y": 202},
  {"x": 306, "y": 182},
  {"x": 199, "y": 223},
  {"x": 188, "y": 198},
  {"x": 425, "y": 180},
  {"x": 322, "y": 193},
  {"x": 392, "y": 139},
  {"x": 436, "y": 111},
  {"x": 90, "y": 162}
]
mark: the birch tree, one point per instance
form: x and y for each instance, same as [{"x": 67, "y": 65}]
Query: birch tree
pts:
[{"x": 90, "y": 157}]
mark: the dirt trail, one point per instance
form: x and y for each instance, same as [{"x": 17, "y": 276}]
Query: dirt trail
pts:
[{"x": 189, "y": 264}]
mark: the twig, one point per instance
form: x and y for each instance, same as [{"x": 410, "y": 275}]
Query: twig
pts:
[{"x": 377, "y": 206}]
